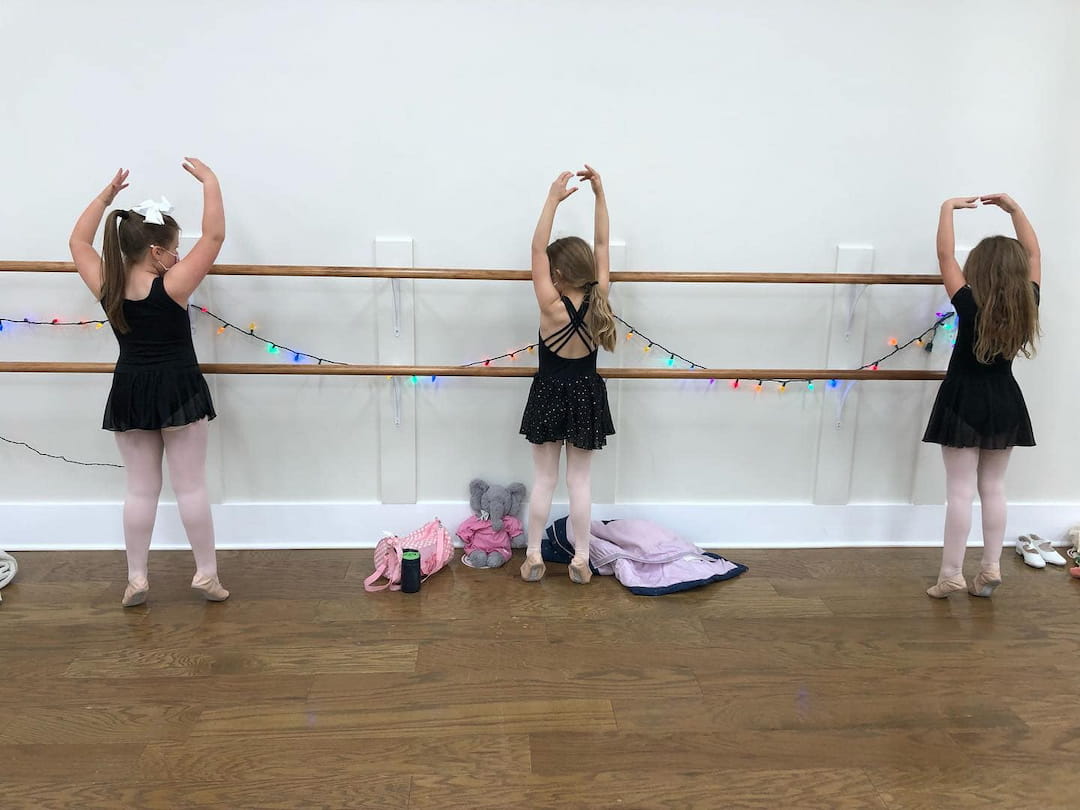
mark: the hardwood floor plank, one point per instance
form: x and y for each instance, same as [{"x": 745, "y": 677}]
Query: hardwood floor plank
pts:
[
  {"x": 281, "y": 658},
  {"x": 237, "y": 760},
  {"x": 89, "y": 725},
  {"x": 972, "y": 786},
  {"x": 326, "y": 792},
  {"x": 206, "y": 690},
  {"x": 364, "y": 721},
  {"x": 75, "y": 762},
  {"x": 561, "y": 753},
  {"x": 836, "y": 789}
]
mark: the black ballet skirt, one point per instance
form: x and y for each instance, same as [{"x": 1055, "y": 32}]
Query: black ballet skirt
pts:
[
  {"x": 157, "y": 382},
  {"x": 568, "y": 400},
  {"x": 978, "y": 404}
]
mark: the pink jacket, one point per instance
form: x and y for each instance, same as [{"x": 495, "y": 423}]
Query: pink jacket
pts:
[
  {"x": 478, "y": 535},
  {"x": 650, "y": 560}
]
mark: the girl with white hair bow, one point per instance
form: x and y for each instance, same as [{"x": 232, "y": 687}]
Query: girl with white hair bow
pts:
[{"x": 159, "y": 403}]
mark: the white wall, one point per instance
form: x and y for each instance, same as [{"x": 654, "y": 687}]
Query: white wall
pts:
[{"x": 731, "y": 135}]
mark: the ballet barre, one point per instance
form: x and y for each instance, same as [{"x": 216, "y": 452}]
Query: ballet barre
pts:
[
  {"x": 452, "y": 274},
  {"x": 349, "y": 370},
  {"x": 613, "y": 373}
]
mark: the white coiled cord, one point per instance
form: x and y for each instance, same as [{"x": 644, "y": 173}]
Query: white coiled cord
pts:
[{"x": 8, "y": 569}]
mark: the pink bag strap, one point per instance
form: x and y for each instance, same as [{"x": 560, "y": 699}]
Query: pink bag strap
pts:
[{"x": 369, "y": 583}]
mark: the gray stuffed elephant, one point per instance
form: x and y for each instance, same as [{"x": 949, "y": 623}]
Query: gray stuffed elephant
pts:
[{"x": 495, "y": 527}]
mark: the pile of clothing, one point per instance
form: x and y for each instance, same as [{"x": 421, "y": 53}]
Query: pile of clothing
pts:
[{"x": 648, "y": 559}]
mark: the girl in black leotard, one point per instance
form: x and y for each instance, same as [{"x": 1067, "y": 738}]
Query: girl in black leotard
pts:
[
  {"x": 568, "y": 400},
  {"x": 979, "y": 414},
  {"x": 159, "y": 402}
]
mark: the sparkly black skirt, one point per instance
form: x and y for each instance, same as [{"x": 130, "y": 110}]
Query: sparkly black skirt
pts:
[{"x": 573, "y": 409}]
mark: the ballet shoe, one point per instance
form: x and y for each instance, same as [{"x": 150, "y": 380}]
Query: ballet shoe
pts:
[
  {"x": 210, "y": 588},
  {"x": 985, "y": 582},
  {"x": 533, "y": 569},
  {"x": 580, "y": 573},
  {"x": 135, "y": 594},
  {"x": 946, "y": 586}
]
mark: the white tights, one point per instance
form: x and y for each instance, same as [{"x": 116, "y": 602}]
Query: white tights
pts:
[
  {"x": 185, "y": 450},
  {"x": 967, "y": 470},
  {"x": 578, "y": 483}
]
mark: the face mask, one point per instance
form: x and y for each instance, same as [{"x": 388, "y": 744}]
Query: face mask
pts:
[{"x": 162, "y": 269}]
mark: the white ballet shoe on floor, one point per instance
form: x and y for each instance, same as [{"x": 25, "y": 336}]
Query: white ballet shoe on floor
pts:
[
  {"x": 1046, "y": 550},
  {"x": 1026, "y": 548}
]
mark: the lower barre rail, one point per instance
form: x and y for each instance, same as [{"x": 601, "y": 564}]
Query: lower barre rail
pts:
[{"x": 613, "y": 373}]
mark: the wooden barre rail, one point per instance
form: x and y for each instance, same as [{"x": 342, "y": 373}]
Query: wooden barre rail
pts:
[
  {"x": 514, "y": 275},
  {"x": 328, "y": 369}
]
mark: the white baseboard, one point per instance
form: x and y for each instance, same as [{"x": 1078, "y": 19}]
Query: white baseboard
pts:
[{"x": 74, "y": 526}]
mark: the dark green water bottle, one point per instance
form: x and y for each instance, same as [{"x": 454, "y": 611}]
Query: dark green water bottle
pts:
[{"x": 410, "y": 571}]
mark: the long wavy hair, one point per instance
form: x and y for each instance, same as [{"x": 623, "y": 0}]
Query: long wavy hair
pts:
[
  {"x": 573, "y": 258},
  {"x": 999, "y": 275}
]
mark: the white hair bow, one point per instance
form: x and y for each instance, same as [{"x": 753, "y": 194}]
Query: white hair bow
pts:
[{"x": 152, "y": 211}]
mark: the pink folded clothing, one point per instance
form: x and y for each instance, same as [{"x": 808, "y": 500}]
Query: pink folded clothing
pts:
[{"x": 478, "y": 535}]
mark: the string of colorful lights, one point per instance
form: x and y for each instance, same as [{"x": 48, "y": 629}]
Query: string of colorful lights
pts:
[{"x": 944, "y": 322}]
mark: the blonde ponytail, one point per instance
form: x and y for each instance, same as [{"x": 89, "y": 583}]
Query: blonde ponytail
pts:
[{"x": 600, "y": 319}]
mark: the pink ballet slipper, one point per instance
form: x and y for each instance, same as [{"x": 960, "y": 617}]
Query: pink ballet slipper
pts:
[
  {"x": 210, "y": 588},
  {"x": 580, "y": 572},
  {"x": 533, "y": 569},
  {"x": 135, "y": 593},
  {"x": 946, "y": 586}
]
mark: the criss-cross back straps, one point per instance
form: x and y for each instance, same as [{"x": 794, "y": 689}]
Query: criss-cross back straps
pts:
[{"x": 558, "y": 339}]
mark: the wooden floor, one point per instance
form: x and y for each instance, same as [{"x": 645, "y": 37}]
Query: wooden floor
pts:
[{"x": 820, "y": 679}]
